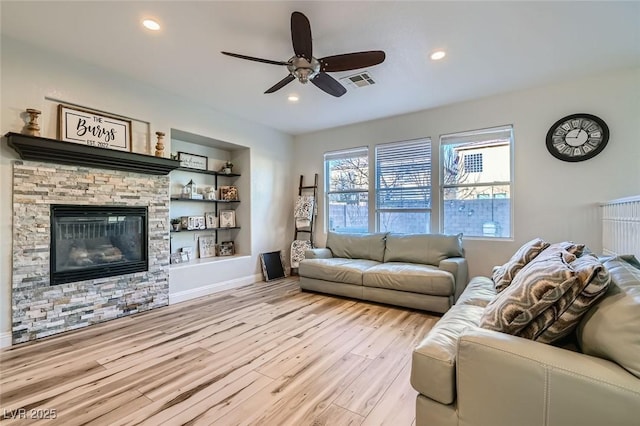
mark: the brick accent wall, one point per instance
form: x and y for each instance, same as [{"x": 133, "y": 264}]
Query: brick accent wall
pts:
[{"x": 39, "y": 309}]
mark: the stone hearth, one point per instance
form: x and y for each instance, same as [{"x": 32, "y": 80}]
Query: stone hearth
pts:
[{"x": 39, "y": 309}]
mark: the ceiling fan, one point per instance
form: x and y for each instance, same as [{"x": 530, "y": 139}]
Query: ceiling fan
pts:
[{"x": 304, "y": 67}]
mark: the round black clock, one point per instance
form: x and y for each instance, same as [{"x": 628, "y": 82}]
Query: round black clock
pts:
[{"x": 577, "y": 137}]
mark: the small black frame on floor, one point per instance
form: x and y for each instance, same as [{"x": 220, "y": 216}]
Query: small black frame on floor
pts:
[{"x": 272, "y": 265}]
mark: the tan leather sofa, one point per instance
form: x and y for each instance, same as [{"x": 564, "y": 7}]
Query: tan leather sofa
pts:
[
  {"x": 421, "y": 271},
  {"x": 466, "y": 375}
]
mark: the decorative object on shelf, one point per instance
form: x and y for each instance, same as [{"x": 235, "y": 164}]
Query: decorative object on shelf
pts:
[
  {"x": 272, "y": 265},
  {"x": 193, "y": 161},
  {"x": 227, "y": 167},
  {"x": 187, "y": 252},
  {"x": 211, "y": 220},
  {"x": 176, "y": 258},
  {"x": 160, "y": 144},
  {"x": 229, "y": 193},
  {"x": 32, "y": 128},
  {"x": 93, "y": 128},
  {"x": 227, "y": 218},
  {"x": 210, "y": 193},
  {"x": 207, "y": 246},
  {"x": 577, "y": 137},
  {"x": 189, "y": 189},
  {"x": 175, "y": 224},
  {"x": 191, "y": 223},
  {"x": 226, "y": 248}
]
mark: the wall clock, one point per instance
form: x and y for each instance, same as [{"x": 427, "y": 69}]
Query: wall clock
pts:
[{"x": 577, "y": 137}]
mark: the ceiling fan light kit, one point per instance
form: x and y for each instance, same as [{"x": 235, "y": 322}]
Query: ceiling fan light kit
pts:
[{"x": 304, "y": 67}]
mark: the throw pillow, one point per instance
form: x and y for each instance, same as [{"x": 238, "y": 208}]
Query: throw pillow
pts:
[
  {"x": 593, "y": 281},
  {"x": 570, "y": 246},
  {"x": 534, "y": 289},
  {"x": 503, "y": 275}
]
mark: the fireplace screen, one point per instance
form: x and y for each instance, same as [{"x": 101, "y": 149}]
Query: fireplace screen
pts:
[{"x": 89, "y": 242}]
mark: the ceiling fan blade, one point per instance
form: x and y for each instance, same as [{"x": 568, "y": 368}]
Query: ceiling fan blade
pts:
[
  {"x": 329, "y": 84},
  {"x": 251, "y": 58},
  {"x": 351, "y": 61},
  {"x": 279, "y": 85},
  {"x": 301, "y": 35}
]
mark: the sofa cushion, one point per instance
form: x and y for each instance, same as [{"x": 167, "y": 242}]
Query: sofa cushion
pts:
[
  {"x": 534, "y": 289},
  {"x": 357, "y": 246},
  {"x": 503, "y": 275},
  {"x": 427, "y": 249},
  {"x": 433, "y": 366},
  {"x": 593, "y": 280},
  {"x": 610, "y": 329},
  {"x": 413, "y": 277},
  {"x": 336, "y": 269},
  {"x": 479, "y": 292}
]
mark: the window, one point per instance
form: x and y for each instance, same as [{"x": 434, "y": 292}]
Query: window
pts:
[
  {"x": 403, "y": 186},
  {"x": 473, "y": 163},
  {"x": 347, "y": 190},
  {"x": 476, "y": 182}
]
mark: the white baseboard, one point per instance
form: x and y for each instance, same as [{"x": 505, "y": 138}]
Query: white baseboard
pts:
[
  {"x": 5, "y": 339},
  {"x": 183, "y": 296}
]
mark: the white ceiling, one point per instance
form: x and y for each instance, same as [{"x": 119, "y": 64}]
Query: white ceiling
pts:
[{"x": 492, "y": 47}]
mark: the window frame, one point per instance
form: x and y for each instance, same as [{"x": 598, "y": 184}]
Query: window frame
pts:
[
  {"x": 362, "y": 151},
  {"x": 377, "y": 210},
  {"x": 461, "y": 136}
]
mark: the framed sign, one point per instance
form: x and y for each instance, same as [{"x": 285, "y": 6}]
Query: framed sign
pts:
[
  {"x": 92, "y": 128},
  {"x": 207, "y": 246},
  {"x": 192, "y": 161},
  {"x": 227, "y": 218}
]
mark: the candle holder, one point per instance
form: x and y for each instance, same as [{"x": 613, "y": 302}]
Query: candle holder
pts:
[
  {"x": 32, "y": 128},
  {"x": 160, "y": 144}
]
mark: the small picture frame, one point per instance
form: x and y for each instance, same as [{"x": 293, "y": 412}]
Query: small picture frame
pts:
[
  {"x": 229, "y": 193},
  {"x": 207, "y": 246},
  {"x": 212, "y": 220},
  {"x": 193, "y": 161},
  {"x": 227, "y": 218},
  {"x": 176, "y": 258},
  {"x": 226, "y": 248},
  {"x": 188, "y": 251},
  {"x": 210, "y": 193}
]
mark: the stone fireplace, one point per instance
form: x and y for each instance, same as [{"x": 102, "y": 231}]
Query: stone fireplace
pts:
[{"x": 48, "y": 296}]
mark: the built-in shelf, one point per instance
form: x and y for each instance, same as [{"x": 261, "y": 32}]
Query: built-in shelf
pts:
[
  {"x": 202, "y": 261},
  {"x": 206, "y": 230},
  {"x": 34, "y": 148},
  {"x": 204, "y": 201},
  {"x": 207, "y": 172}
]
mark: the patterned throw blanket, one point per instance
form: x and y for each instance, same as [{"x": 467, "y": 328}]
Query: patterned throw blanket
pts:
[{"x": 303, "y": 211}]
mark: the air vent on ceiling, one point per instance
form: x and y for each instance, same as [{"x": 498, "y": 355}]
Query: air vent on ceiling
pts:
[{"x": 361, "y": 79}]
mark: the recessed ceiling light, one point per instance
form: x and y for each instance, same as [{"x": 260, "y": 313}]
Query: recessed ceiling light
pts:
[
  {"x": 293, "y": 98},
  {"x": 438, "y": 54},
  {"x": 150, "y": 24}
]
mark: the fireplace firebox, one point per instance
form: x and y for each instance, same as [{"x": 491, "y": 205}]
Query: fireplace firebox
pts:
[{"x": 89, "y": 242}]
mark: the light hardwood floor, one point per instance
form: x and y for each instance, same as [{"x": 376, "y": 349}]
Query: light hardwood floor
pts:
[{"x": 264, "y": 354}]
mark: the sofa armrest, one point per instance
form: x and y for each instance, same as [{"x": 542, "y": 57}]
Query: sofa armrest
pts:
[
  {"x": 507, "y": 380},
  {"x": 318, "y": 253},
  {"x": 459, "y": 268}
]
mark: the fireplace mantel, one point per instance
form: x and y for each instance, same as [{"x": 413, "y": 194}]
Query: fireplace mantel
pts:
[{"x": 54, "y": 151}]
